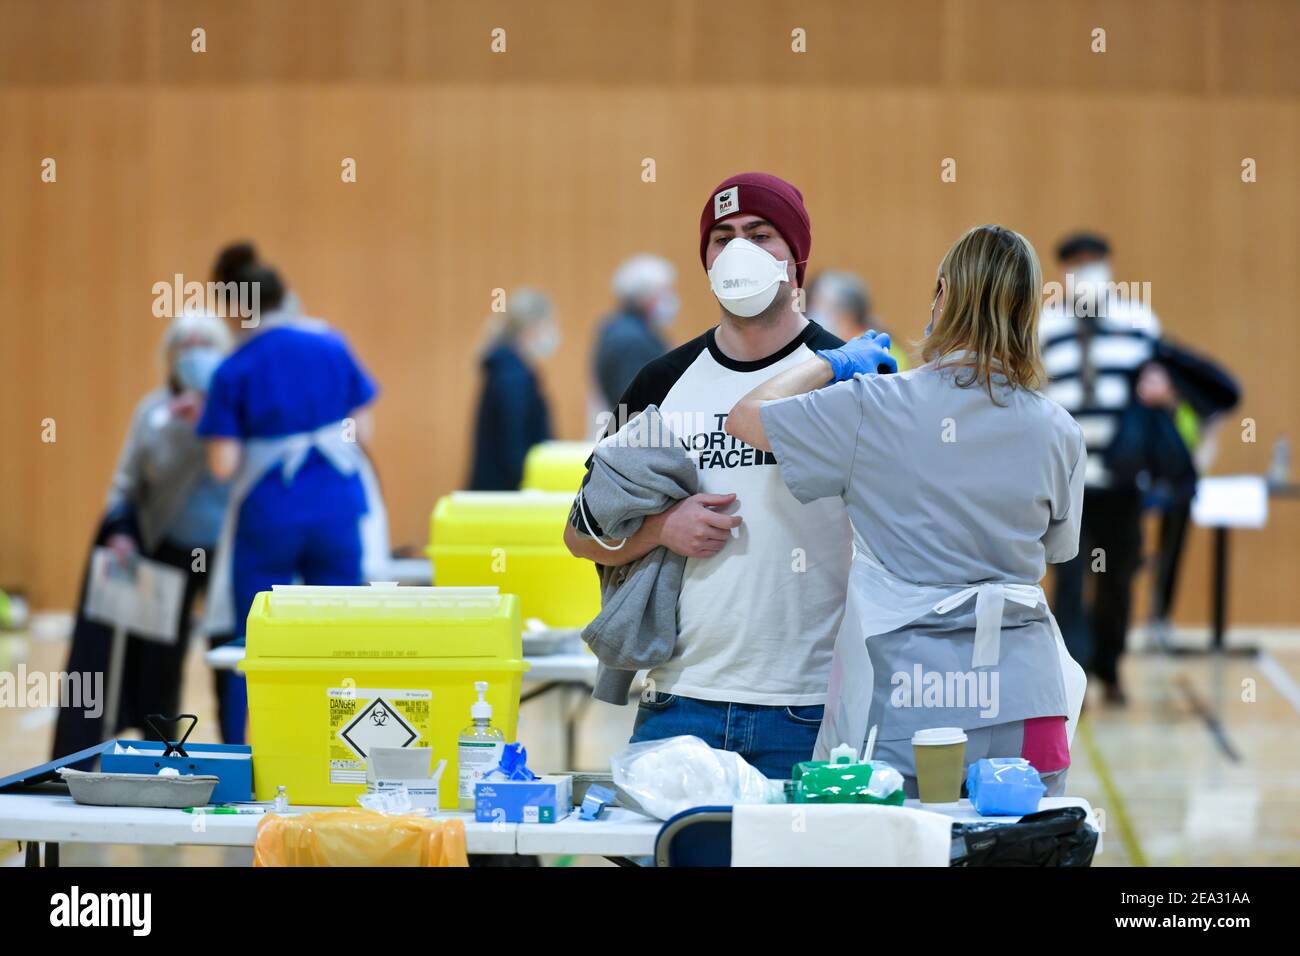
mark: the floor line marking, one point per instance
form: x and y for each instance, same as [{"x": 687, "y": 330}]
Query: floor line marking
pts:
[
  {"x": 1127, "y": 832},
  {"x": 1208, "y": 717},
  {"x": 1277, "y": 676}
]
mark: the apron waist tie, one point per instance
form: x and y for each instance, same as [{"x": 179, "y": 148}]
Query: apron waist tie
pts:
[
  {"x": 292, "y": 450},
  {"x": 990, "y": 600}
]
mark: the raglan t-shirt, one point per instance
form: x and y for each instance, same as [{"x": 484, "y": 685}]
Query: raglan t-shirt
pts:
[{"x": 756, "y": 621}]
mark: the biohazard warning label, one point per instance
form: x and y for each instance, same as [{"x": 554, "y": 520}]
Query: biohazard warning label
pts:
[{"x": 364, "y": 718}]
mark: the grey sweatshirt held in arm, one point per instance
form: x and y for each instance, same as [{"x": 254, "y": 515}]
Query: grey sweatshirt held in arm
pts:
[{"x": 640, "y": 470}]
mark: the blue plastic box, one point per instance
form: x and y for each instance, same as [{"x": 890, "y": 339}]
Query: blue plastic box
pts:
[{"x": 232, "y": 764}]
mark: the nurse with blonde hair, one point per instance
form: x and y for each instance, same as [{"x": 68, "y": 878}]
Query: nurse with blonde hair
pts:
[{"x": 962, "y": 482}]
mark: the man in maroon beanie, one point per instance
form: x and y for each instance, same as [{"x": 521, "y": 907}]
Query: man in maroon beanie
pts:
[{"x": 763, "y": 587}]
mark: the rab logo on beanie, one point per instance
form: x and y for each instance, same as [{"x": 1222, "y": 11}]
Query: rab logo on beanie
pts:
[
  {"x": 767, "y": 197},
  {"x": 726, "y": 203}
]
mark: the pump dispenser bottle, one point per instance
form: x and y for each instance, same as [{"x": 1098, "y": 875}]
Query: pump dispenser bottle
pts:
[{"x": 479, "y": 747}]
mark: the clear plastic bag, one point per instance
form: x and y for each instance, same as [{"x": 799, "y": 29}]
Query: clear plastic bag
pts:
[{"x": 668, "y": 776}]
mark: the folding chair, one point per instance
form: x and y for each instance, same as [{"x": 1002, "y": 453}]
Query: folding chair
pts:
[{"x": 700, "y": 836}]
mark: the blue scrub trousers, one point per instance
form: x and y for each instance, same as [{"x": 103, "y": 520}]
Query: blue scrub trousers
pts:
[{"x": 283, "y": 537}]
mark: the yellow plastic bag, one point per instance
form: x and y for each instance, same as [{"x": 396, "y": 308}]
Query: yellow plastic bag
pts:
[{"x": 358, "y": 838}]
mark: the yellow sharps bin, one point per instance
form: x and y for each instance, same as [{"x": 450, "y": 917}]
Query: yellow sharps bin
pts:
[
  {"x": 334, "y": 671},
  {"x": 556, "y": 466},
  {"x": 515, "y": 541}
]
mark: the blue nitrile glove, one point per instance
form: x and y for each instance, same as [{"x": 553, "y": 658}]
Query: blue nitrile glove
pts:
[
  {"x": 513, "y": 765},
  {"x": 868, "y": 354}
]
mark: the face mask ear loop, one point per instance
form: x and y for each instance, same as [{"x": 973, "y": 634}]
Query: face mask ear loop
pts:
[{"x": 582, "y": 512}]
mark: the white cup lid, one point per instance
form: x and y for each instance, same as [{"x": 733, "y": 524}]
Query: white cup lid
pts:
[{"x": 938, "y": 736}]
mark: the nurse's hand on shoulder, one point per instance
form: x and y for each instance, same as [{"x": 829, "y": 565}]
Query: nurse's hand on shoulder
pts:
[
  {"x": 868, "y": 354},
  {"x": 693, "y": 528}
]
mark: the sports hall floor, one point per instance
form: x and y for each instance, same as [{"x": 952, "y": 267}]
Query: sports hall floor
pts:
[{"x": 1201, "y": 768}]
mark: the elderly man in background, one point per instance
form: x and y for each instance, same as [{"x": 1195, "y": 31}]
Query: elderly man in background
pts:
[{"x": 631, "y": 336}]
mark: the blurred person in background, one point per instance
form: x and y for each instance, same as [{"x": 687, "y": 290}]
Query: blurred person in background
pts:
[
  {"x": 841, "y": 303},
  {"x": 1095, "y": 345},
  {"x": 286, "y": 420},
  {"x": 631, "y": 336},
  {"x": 513, "y": 414},
  {"x": 164, "y": 504},
  {"x": 1201, "y": 393}
]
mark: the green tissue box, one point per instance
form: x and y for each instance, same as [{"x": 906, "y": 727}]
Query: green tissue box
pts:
[{"x": 818, "y": 781}]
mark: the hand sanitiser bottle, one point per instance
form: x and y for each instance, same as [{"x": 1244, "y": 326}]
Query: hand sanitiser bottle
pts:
[{"x": 479, "y": 747}]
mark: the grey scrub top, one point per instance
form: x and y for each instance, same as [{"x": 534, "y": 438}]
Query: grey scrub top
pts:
[{"x": 946, "y": 488}]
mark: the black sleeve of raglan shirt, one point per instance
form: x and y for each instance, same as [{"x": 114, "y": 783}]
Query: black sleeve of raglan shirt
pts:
[
  {"x": 819, "y": 337},
  {"x": 650, "y": 386}
]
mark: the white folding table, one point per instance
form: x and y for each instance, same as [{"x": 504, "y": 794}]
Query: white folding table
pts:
[{"x": 52, "y": 819}]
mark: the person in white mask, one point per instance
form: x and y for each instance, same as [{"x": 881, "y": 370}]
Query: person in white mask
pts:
[
  {"x": 513, "y": 414},
  {"x": 164, "y": 504},
  {"x": 763, "y": 585},
  {"x": 1098, "y": 340},
  {"x": 962, "y": 482},
  {"x": 644, "y": 288}
]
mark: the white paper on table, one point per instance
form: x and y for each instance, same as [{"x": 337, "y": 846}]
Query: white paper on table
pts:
[
  {"x": 1231, "y": 501},
  {"x": 144, "y": 601},
  {"x": 801, "y": 834}
]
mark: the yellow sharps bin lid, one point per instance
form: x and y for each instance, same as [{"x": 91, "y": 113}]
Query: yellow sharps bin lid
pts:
[
  {"x": 556, "y": 465},
  {"x": 383, "y": 621},
  {"x": 488, "y": 519}
]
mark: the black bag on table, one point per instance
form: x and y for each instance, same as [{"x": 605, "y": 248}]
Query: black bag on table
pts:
[{"x": 1047, "y": 838}]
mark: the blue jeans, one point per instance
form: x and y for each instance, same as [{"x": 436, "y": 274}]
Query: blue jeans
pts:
[{"x": 771, "y": 738}]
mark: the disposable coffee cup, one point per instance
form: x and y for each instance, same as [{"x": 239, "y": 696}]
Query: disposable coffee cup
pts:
[{"x": 940, "y": 756}]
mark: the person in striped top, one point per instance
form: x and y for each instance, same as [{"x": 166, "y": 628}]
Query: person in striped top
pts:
[{"x": 1097, "y": 339}]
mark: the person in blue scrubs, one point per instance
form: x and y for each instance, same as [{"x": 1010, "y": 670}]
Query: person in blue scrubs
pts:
[{"x": 280, "y": 414}]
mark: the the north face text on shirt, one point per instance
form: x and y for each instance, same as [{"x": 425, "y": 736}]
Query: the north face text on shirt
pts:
[{"x": 717, "y": 449}]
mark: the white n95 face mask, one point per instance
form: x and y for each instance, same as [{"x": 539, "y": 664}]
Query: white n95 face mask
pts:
[
  {"x": 745, "y": 277},
  {"x": 544, "y": 341}
]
